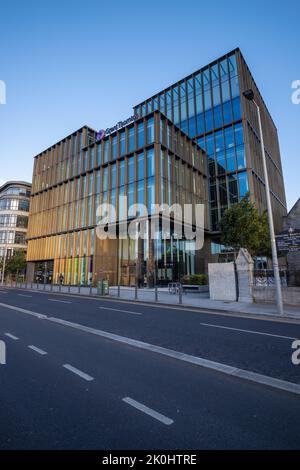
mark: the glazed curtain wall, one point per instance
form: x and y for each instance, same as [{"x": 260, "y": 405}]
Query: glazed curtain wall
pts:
[
  {"x": 207, "y": 106},
  {"x": 72, "y": 254}
]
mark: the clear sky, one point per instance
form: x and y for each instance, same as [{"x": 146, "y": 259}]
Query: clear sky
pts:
[{"x": 70, "y": 63}]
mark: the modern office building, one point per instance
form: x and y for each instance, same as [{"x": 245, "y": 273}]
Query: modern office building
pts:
[
  {"x": 196, "y": 141},
  {"x": 208, "y": 105},
  {"x": 149, "y": 160},
  {"x": 14, "y": 211}
]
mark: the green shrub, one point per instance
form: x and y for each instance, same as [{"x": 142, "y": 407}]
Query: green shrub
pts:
[{"x": 195, "y": 280}]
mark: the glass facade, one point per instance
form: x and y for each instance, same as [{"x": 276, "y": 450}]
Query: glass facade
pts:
[
  {"x": 150, "y": 162},
  {"x": 192, "y": 142},
  {"x": 207, "y": 107},
  {"x": 14, "y": 210}
]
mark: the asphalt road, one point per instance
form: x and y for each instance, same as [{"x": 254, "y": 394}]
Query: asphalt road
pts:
[{"x": 65, "y": 388}]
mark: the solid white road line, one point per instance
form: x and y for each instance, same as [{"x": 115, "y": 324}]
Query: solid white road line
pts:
[
  {"x": 11, "y": 336},
  {"x": 120, "y": 310},
  {"x": 247, "y": 331},
  {"x": 24, "y": 295},
  {"x": 199, "y": 361},
  {"x": 81, "y": 374},
  {"x": 23, "y": 310},
  {"x": 38, "y": 350},
  {"x": 61, "y": 301},
  {"x": 148, "y": 411}
]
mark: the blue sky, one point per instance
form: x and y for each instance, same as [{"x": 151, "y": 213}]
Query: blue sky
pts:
[{"x": 70, "y": 63}]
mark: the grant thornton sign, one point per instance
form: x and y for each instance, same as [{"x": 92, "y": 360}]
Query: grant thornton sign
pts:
[{"x": 103, "y": 133}]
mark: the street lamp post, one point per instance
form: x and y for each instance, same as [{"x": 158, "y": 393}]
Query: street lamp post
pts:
[{"x": 249, "y": 95}]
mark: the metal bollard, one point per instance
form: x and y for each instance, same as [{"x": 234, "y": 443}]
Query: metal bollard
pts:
[
  {"x": 69, "y": 288},
  {"x": 136, "y": 293},
  {"x": 51, "y": 288},
  {"x": 37, "y": 286},
  {"x": 91, "y": 289},
  {"x": 156, "y": 294},
  {"x": 119, "y": 290},
  {"x": 180, "y": 295},
  {"x": 78, "y": 288},
  {"x": 44, "y": 286},
  {"x": 59, "y": 288}
]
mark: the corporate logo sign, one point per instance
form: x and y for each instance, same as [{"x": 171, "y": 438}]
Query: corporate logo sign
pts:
[{"x": 103, "y": 133}]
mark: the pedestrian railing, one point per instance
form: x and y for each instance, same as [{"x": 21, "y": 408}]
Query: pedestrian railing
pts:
[{"x": 155, "y": 294}]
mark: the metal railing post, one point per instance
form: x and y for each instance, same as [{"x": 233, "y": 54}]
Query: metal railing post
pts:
[
  {"x": 156, "y": 294},
  {"x": 135, "y": 293}
]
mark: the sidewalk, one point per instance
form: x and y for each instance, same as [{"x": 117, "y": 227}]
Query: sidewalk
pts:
[{"x": 194, "y": 300}]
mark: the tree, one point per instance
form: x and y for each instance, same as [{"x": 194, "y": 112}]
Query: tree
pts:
[
  {"x": 16, "y": 263},
  {"x": 242, "y": 227}
]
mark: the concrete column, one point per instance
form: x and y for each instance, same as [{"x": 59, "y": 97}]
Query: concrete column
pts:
[
  {"x": 30, "y": 272},
  {"x": 245, "y": 267}
]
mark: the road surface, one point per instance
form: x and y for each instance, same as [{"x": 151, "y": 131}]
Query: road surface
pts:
[{"x": 98, "y": 374}]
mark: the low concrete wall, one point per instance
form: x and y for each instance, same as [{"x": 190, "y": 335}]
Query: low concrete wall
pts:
[
  {"x": 222, "y": 283},
  {"x": 290, "y": 295}
]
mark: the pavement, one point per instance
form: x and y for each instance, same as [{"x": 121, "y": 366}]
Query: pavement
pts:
[{"x": 88, "y": 373}]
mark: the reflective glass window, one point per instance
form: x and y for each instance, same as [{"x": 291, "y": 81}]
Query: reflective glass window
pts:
[
  {"x": 150, "y": 130},
  {"x": 176, "y": 104},
  {"x": 140, "y": 134},
  {"x": 237, "y": 113},
  {"x": 232, "y": 189},
  {"x": 105, "y": 179},
  {"x": 150, "y": 193},
  {"x": 122, "y": 143},
  {"x": 140, "y": 166},
  {"x": 114, "y": 147},
  {"x": 106, "y": 150},
  {"x": 240, "y": 155},
  {"x": 232, "y": 65},
  {"x": 113, "y": 175},
  {"x": 131, "y": 144},
  {"x": 131, "y": 169},
  {"x": 243, "y": 184},
  {"x": 223, "y": 70},
  {"x": 239, "y": 134},
  {"x": 168, "y": 104},
  {"x": 150, "y": 163},
  {"x": 122, "y": 173}
]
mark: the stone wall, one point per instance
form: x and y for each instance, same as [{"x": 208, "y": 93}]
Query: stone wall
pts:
[{"x": 290, "y": 295}]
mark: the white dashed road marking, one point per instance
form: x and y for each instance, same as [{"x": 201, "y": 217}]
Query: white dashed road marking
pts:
[
  {"x": 61, "y": 301},
  {"x": 199, "y": 361},
  {"x": 148, "y": 411},
  {"x": 38, "y": 350},
  {"x": 120, "y": 310},
  {"x": 9, "y": 335},
  {"x": 81, "y": 374},
  {"x": 246, "y": 331}
]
